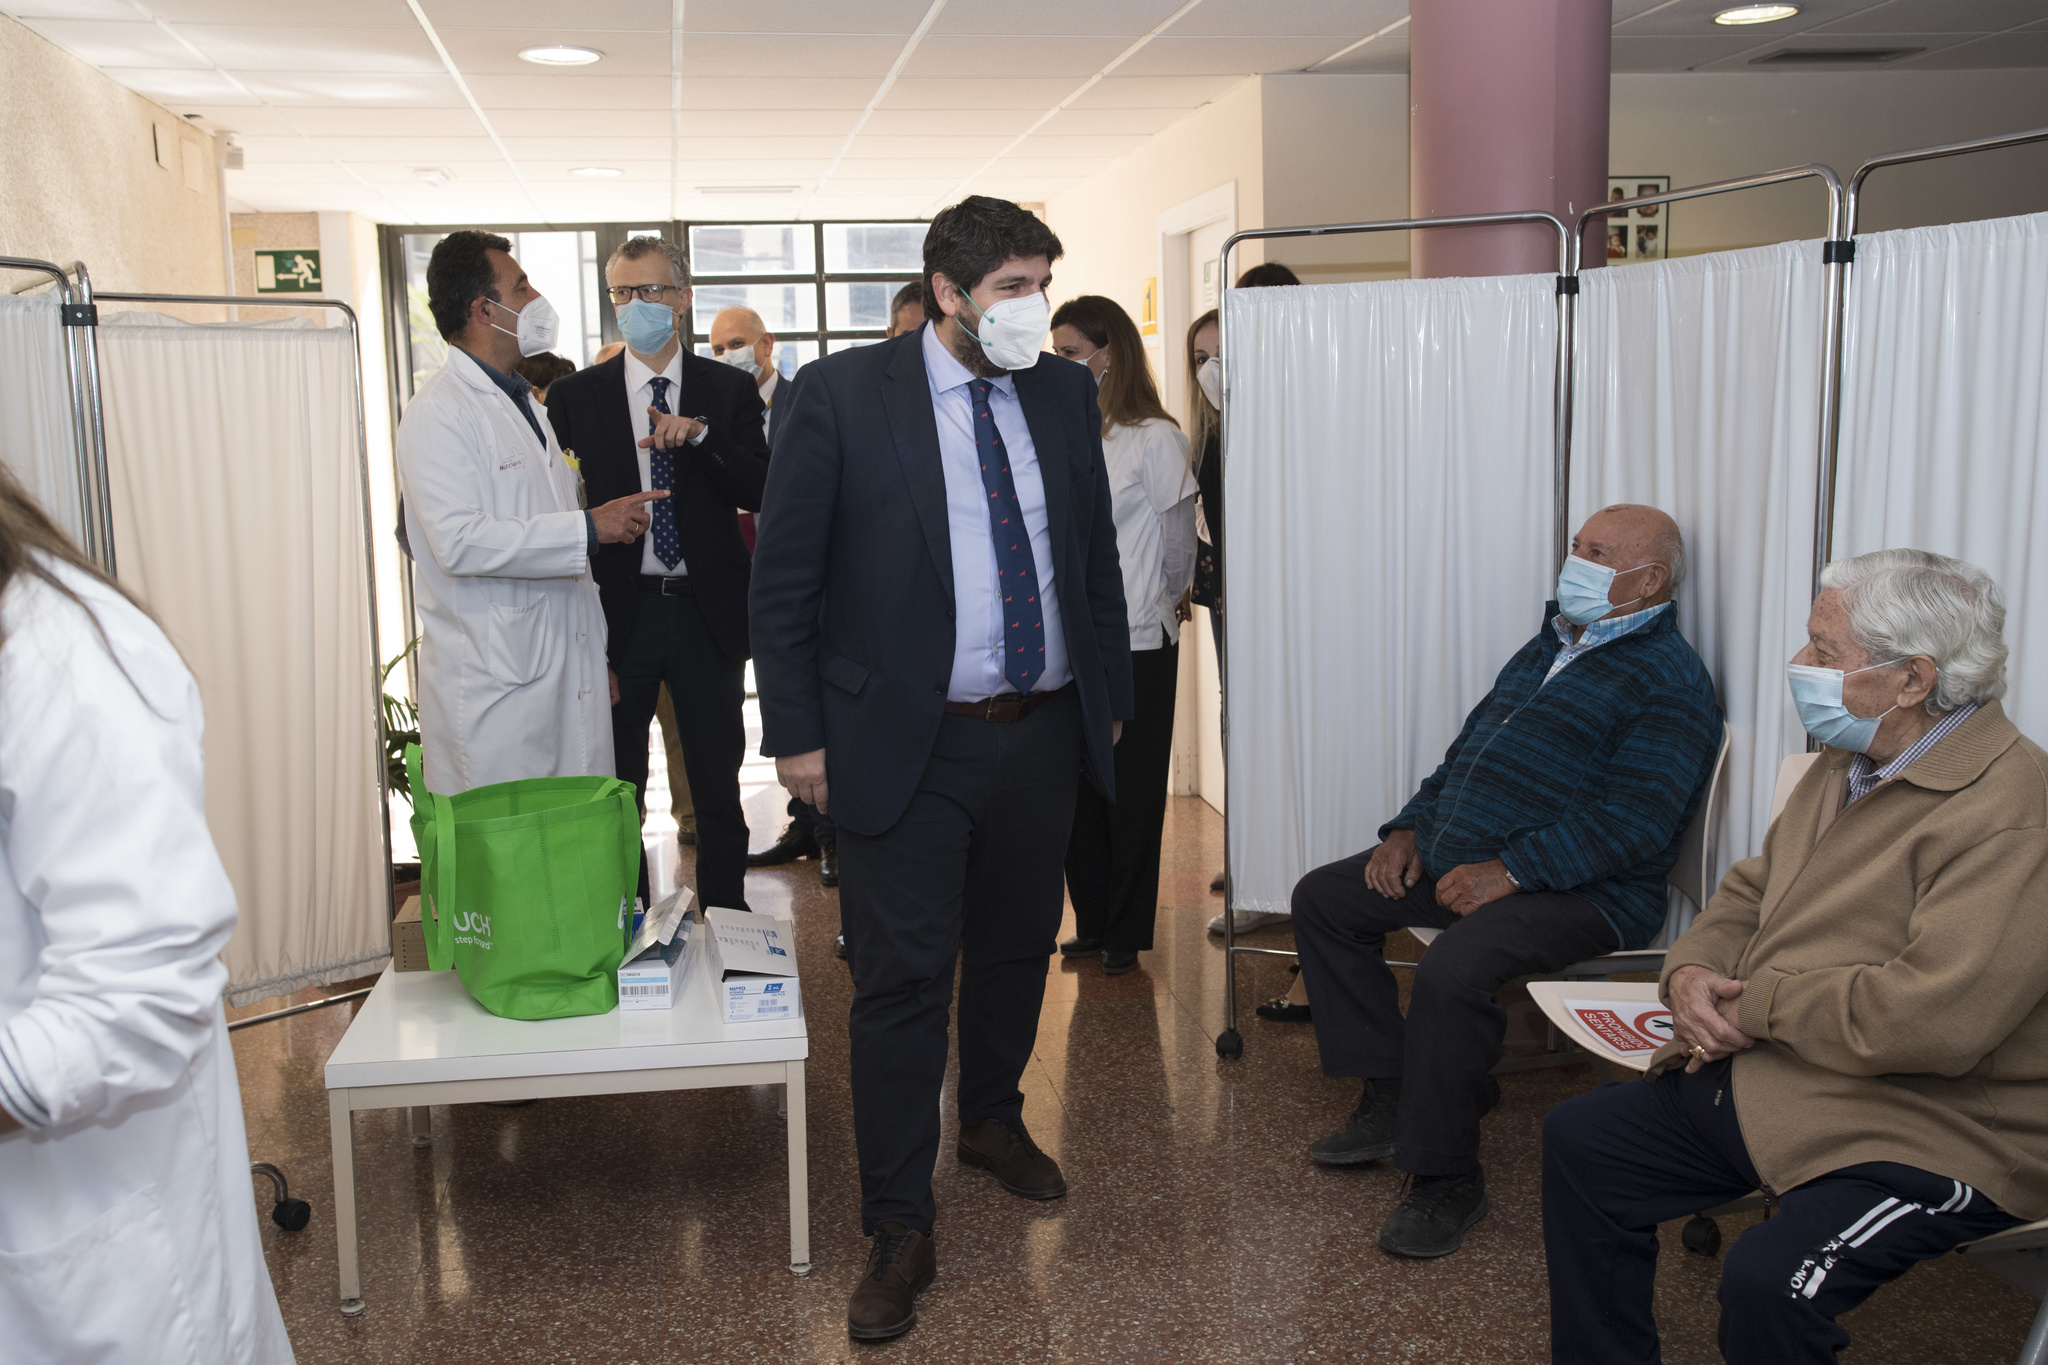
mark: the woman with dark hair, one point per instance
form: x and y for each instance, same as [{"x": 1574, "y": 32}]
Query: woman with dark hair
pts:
[
  {"x": 542, "y": 370},
  {"x": 122, "y": 1151},
  {"x": 1113, "y": 856}
]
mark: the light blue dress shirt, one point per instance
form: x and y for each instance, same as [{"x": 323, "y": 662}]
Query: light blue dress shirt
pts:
[
  {"x": 977, "y": 600},
  {"x": 1599, "y": 633}
]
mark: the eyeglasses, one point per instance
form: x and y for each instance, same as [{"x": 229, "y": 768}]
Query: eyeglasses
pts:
[{"x": 623, "y": 294}]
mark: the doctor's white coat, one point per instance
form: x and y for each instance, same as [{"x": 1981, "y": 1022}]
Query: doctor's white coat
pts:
[
  {"x": 512, "y": 662},
  {"x": 127, "y": 1220}
]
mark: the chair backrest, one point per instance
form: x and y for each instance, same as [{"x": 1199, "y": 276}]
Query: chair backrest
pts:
[
  {"x": 1693, "y": 873},
  {"x": 1789, "y": 773}
]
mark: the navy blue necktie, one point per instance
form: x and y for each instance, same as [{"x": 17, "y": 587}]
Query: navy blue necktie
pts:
[
  {"x": 1023, "y": 621},
  {"x": 661, "y": 474}
]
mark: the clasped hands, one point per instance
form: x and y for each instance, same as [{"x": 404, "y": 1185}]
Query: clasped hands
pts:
[
  {"x": 1395, "y": 867},
  {"x": 1703, "y": 1008}
]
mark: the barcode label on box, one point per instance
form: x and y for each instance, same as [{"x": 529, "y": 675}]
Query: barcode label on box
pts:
[{"x": 656, "y": 989}]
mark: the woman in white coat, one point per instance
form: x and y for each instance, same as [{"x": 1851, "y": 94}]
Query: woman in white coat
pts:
[
  {"x": 127, "y": 1221},
  {"x": 1113, "y": 854}
]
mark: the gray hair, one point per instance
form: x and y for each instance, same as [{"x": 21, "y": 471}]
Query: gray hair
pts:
[
  {"x": 1907, "y": 602},
  {"x": 636, "y": 248}
]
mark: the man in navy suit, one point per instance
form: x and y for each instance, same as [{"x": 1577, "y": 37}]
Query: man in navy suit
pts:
[
  {"x": 675, "y": 599},
  {"x": 938, "y": 619}
]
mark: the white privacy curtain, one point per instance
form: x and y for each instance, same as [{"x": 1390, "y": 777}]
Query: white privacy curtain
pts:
[
  {"x": 1698, "y": 392},
  {"x": 1388, "y": 485},
  {"x": 38, "y": 436},
  {"x": 237, "y": 491},
  {"x": 1945, "y": 417}
]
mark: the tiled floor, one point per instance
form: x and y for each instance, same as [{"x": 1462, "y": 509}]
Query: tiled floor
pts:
[{"x": 652, "y": 1228}]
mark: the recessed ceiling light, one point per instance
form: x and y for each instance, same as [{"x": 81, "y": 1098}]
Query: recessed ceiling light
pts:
[
  {"x": 553, "y": 55},
  {"x": 597, "y": 172},
  {"x": 1743, "y": 14},
  {"x": 437, "y": 176}
]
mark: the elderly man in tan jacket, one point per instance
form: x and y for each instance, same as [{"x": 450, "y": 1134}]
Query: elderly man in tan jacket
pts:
[{"x": 1861, "y": 1025}]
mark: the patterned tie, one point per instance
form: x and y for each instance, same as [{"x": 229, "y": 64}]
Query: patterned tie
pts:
[
  {"x": 1023, "y": 622},
  {"x": 661, "y": 473}
]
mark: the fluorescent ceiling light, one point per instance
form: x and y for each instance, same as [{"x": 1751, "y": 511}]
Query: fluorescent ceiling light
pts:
[
  {"x": 747, "y": 189},
  {"x": 553, "y": 55},
  {"x": 437, "y": 176},
  {"x": 1740, "y": 15},
  {"x": 597, "y": 172}
]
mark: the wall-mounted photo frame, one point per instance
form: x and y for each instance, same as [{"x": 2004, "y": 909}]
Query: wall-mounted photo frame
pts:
[{"x": 1643, "y": 234}]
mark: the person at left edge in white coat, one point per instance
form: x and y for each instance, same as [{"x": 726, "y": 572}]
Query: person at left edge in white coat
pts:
[
  {"x": 512, "y": 671},
  {"x": 127, "y": 1223}
]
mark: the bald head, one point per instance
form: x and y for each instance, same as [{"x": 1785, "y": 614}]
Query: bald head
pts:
[
  {"x": 739, "y": 329},
  {"x": 1644, "y": 548}
]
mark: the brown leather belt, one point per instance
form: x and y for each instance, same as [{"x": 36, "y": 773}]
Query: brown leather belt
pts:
[{"x": 1005, "y": 708}]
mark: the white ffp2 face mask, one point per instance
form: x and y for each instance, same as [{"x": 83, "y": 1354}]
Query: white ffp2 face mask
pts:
[
  {"x": 1210, "y": 378},
  {"x": 1012, "y": 330},
  {"x": 538, "y": 326}
]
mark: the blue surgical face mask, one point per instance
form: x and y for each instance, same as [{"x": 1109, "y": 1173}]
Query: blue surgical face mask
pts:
[
  {"x": 1817, "y": 695},
  {"x": 646, "y": 326},
  {"x": 1582, "y": 588}
]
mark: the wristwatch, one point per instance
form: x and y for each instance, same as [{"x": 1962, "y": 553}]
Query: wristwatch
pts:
[{"x": 1513, "y": 880}]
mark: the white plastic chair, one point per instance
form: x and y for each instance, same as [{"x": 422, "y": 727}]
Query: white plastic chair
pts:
[{"x": 2020, "y": 1255}]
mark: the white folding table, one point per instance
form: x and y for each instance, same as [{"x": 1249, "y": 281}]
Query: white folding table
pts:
[{"x": 420, "y": 1040}]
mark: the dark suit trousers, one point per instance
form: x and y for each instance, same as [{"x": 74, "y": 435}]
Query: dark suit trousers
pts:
[
  {"x": 670, "y": 644},
  {"x": 821, "y": 826},
  {"x": 970, "y": 871},
  {"x": 1113, "y": 857},
  {"x": 1452, "y": 1035}
]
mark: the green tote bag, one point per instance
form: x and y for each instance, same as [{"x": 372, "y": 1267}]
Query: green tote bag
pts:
[{"x": 528, "y": 886}]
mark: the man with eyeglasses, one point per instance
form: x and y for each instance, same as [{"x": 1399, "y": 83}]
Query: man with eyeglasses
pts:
[{"x": 675, "y": 598}]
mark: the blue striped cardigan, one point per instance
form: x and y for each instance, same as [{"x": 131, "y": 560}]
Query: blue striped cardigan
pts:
[{"x": 1584, "y": 785}]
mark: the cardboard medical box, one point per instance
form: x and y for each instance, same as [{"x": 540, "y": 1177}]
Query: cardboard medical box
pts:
[
  {"x": 753, "y": 960},
  {"x": 409, "y": 939},
  {"x": 654, "y": 980}
]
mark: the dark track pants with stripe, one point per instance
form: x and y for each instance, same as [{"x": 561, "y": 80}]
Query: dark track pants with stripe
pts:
[{"x": 1619, "y": 1160}]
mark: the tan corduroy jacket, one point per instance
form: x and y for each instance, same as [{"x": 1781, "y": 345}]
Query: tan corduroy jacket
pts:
[{"x": 1896, "y": 960}]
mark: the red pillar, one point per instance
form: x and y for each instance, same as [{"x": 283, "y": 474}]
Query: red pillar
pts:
[{"x": 1507, "y": 111}]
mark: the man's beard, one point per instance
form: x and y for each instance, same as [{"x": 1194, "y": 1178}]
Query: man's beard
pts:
[{"x": 969, "y": 353}]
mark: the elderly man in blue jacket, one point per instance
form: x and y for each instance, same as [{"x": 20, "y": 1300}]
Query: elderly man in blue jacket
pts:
[{"x": 1542, "y": 840}]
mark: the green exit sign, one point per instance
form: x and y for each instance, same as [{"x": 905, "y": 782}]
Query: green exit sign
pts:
[{"x": 287, "y": 272}]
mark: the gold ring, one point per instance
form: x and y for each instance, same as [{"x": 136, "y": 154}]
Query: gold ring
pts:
[{"x": 1698, "y": 1051}]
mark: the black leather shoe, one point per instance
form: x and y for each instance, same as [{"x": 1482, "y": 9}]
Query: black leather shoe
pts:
[
  {"x": 839, "y": 946},
  {"x": 901, "y": 1264},
  {"x": 1007, "y": 1152},
  {"x": 1078, "y": 946},
  {"x": 828, "y": 861},
  {"x": 1115, "y": 963},
  {"x": 1368, "y": 1135},
  {"x": 796, "y": 842},
  {"x": 1281, "y": 1010},
  {"x": 1432, "y": 1220}
]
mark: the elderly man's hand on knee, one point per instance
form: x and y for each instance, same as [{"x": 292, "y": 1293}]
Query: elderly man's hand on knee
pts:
[
  {"x": 1464, "y": 889},
  {"x": 1395, "y": 866}
]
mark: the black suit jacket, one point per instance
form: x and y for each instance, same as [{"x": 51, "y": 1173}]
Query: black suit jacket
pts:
[
  {"x": 853, "y": 600},
  {"x": 724, "y": 472}
]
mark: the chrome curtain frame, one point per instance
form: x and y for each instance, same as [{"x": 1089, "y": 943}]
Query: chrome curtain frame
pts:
[
  {"x": 1230, "y": 1043},
  {"x": 1834, "y": 263},
  {"x": 355, "y": 336},
  {"x": 80, "y": 320}
]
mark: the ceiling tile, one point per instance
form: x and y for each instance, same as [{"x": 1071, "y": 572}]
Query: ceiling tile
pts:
[
  {"x": 1633, "y": 54},
  {"x": 1116, "y": 18},
  {"x": 294, "y": 87},
  {"x": 1155, "y": 92},
  {"x": 991, "y": 92},
  {"x": 950, "y": 122},
  {"x": 356, "y": 121},
  {"x": 173, "y": 87},
  {"x": 495, "y": 52},
  {"x": 1042, "y": 168},
  {"x": 555, "y": 90},
  {"x": 1387, "y": 54},
  {"x": 607, "y": 123},
  {"x": 411, "y": 151},
  {"x": 2029, "y": 49},
  {"x": 1329, "y": 18},
  {"x": 701, "y": 143},
  {"x": 898, "y": 170},
  {"x": 1833, "y": 42},
  {"x": 286, "y": 47},
  {"x": 1074, "y": 58},
  {"x": 278, "y": 174},
  {"x": 1112, "y": 122},
  {"x": 1939, "y": 16},
  {"x": 1169, "y": 56},
  {"x": 238, "y": 119},
  {"x": 868, "y": 144},
  {"x": 789, "y": 56},
  {"x": 102, "y": 43},
  {"x": 606, "y": 16},
  {"x": 804, "y": 16},
  {"x": 284, "y": 150},
  {"x": 1093, "y": 149},
  {"x": 1696, "y": 17},
  {"x": 608, "y": 150},
  {"x": 494, "y": 172},
  {"x": 1625, "y": 10},
  {"x": 361, "y": 13},
  {"x": 119, "y": 10}
]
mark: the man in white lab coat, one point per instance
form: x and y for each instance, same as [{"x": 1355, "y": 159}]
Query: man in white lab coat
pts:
[{"x": 512, "y": 663}]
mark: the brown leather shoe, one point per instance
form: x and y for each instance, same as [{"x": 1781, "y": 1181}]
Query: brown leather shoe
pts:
[
  {"x": 1007, "y": 1152},
  {"x": 901, "y": 1264}
]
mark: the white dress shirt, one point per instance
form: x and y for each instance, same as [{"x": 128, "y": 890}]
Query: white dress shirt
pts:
[
  {"x": 639, "y": 398},
  {"x": 1152, "y": 499},
  {"x": 977, "y": 596},
  {"x": 769, "y": 385}
]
